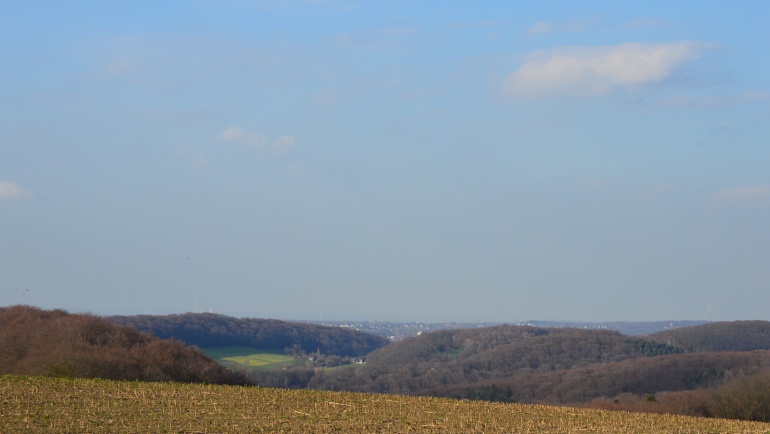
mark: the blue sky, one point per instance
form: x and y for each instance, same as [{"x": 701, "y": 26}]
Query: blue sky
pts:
[{"x": 391, "y": 160}]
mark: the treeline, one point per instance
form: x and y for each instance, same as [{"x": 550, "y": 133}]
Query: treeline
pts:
[
  {"x": 56, "y": 343},
  {"x": 719, "y": 336},
  {"x": 742, "y": 396},
  {"x": 212, "y": 330},
  {"x": 509, "y": 349},
  {"x": 636, "y": 376}
]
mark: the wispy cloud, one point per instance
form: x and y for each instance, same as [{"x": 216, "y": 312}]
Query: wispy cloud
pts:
[
  {"x": 643, "y": 24},
  {"x": 191, "y": 155},
  {"x": 750, "y": 193},
  {"x": 540, "y": 27},
  {"x": 593, "y": 71},
  {"x": 257, "y": 141},
  {"x": 184, "y": 116},
  {"x": 584, "y": 25},
  {"x": 283, "y": 143},
  {"x": 11, "y": 190},
  {"x": 573, "y": 26},
  {"x": 379, "y": 38},
  {"x": 472, "y": 25},
  {"x": 326, "y": 98},
  {"x": 121, "y": 65},
  {"x": 714, "y": 101},
  {"x": 241, "y": 136}
]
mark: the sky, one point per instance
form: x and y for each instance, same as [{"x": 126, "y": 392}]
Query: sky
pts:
[{"x": 388, "y": 160}]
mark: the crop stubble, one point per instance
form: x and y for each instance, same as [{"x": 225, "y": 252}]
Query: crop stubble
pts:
[{"x": 38, "y": 404}]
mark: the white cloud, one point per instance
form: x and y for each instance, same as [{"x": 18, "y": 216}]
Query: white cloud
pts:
[
  {"x": 751, "y": 193},
  {"x": 257, "y": 141},
  {"x": 11, "y": 190},
  {"x": 593, "y": 71}
]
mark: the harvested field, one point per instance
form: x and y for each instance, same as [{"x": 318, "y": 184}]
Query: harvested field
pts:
[{"x": 38, "y": 404}]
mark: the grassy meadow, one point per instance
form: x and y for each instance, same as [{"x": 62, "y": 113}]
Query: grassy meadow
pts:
[
  {"x": 40, "y": 404},
  {"x": 250, "y": 357}
]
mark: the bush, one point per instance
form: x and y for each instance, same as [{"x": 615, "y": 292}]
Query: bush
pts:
[{"x": 743, "y": 397}]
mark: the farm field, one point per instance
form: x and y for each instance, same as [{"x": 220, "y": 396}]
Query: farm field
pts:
[
  {"x": 248, "y": 356},
  {"x": 40, "y": 404}
]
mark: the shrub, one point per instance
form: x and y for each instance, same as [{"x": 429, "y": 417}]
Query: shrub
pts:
[{"x": 743, "y": 397}]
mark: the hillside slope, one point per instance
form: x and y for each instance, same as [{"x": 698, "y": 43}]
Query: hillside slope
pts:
[
  {"x": 87, "y": 406},
  {"x": 56, "y": 343},
  {"x": 719, "y": 336},
  {"x": 642, "y": 376},
  {"x": 532, "y": 364},
  {"x": 447, "y": 357},
  {"x": 211, "y": 330},
  {"x": 511, "y": 348}
]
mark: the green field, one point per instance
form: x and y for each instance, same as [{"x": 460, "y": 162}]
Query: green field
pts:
[
  {"x": 250, "y": 357},
  {"x": 57, "y": 405}
]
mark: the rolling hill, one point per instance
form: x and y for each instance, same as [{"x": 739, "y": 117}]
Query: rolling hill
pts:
[
  {"x": 211, "y": 330},
  {"x": 56, "y": 343}
]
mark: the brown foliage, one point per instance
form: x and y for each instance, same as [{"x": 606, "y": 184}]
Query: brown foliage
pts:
[
  {"x": 687, "y": 402},
  {"x": 743, "y": 397},
  {"x": 639, "y": 376},
  {"x": 719, "y": 336},
  {"x": 56, "y": 343}
]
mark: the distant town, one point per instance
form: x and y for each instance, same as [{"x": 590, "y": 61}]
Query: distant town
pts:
[{"x": 396, "y": 331}]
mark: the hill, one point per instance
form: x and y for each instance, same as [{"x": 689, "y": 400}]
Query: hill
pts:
[
  {"x": 465, "y": 356},
  {"x": 527, "y": 364},
  {"x": 396, "y": 331},
  {"x": 719, "y": 336},
  {"x": 211, "y": 330},
  {"x": 90, "y": 406},
  {"x": 641, "y": 376},
  {"x": 509, "y": 348},
  {"x": 56, "y": 343}
]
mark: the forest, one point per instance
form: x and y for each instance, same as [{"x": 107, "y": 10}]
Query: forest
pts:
[
  {"x": 59, "y": 344},
  {"x": 211, "y": 330},
  {"x": 694, "y": 370}
]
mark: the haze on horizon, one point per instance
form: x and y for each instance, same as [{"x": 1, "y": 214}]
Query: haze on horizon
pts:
[{"x": 589, "y": 161}]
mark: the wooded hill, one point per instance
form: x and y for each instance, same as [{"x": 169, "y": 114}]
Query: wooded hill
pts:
[
  {"x": 212, "y": 330},
  {"x": 640, "y": 376},
  {"x": 530, "y": 364},
  {"x": 56, "y": 343},
  {"x": 719, "y": 336},
  {"x": 450, "y": 357}
]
